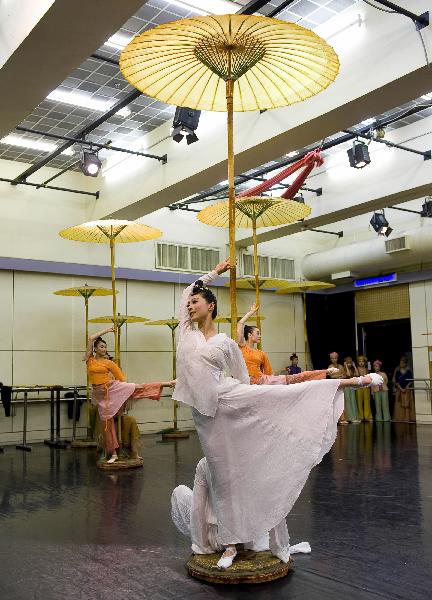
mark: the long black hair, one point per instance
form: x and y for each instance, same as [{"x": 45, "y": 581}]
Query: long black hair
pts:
[{"x": 200, "y": 289}]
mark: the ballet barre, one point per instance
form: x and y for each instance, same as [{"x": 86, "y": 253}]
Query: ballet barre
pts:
[
  {"x": 427, "y": 388},
  {"x": 54, "y": 440}
]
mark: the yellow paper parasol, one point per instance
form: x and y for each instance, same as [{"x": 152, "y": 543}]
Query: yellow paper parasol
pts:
[
  {"x": 86, "y": 291},
  {"x": 253, "y": 212},
  {"x": 172, "y": 323},
  {"x": 229, "y": 63},
  {"x": 111, "y": 231},
  {"x": 118, "y": 323},
  {"x": 301, "y": 287}
]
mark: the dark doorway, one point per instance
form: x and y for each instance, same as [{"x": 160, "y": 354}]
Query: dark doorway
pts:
[
  {"x": 330, "y": 320},
  {"x": 386, "y": 340}
]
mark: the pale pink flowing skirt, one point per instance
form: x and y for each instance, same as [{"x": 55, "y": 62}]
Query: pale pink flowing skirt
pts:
[
  {"x": 261, "y": 446},
  {"x": 111, "y": 397}
]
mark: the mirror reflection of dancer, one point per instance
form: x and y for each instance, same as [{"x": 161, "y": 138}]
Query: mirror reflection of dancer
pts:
[
  {"x": 255, "y": 485},
  {"x": 257, "y": 361},
  {"x": 110, "y": 390},
  {"x": 194, "y": 515}
]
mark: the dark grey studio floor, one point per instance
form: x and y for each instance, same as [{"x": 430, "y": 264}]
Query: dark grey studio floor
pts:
[{"x": 69, "y": 531}]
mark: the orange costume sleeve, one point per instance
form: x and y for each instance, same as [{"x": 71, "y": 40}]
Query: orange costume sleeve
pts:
[
  {"x": 266, "y": 366},
  {"x": 115, "y": 370}
]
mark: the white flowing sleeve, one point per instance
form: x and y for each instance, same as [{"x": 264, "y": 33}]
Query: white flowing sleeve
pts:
[
  {"x": 237, "y": 364},
  {"x": 185, "y": 324}
]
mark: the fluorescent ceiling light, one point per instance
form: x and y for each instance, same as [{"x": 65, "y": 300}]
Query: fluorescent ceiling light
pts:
[
  {"x": 292, "y": 153},
  {"x": 118, "y": 41},
  {"x": 368, "y": 121},
  {"x": 224, "y": 182},
  {"x": 25, "y": 142},
  {"x": 84, "y": 101},
  {"x": 427, "y": 96},
  {"x": 218, "y": 7}
]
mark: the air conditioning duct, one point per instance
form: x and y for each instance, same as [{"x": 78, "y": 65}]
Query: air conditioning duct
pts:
[{"x": 372, "y": 257}]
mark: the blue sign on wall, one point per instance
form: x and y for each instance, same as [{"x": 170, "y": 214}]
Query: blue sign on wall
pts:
[{"x": 390, "y": 278}]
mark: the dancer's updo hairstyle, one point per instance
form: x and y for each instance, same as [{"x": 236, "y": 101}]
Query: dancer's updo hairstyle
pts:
[
  {"x": 248, "y": 329},
  {"x": 201, "y": 290},
  {"x": 96, "y": 342}
]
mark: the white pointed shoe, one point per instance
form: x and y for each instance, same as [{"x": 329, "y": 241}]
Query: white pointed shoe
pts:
[
  {"x": 113, "y": 459},
  {"x": 226, "y": 561}
]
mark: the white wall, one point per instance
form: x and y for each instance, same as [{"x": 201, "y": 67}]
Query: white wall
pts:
[
  {"x": 421, "y": 315},
  {"x": 43, "y": 335}
]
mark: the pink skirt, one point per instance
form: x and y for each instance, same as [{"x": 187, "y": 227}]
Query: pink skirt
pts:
[
  {"x": 289, "y": 379},
  {"x": 111, "y": 397}
]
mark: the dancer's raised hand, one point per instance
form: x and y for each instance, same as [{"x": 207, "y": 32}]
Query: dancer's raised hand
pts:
[
  {"x": 253, "y": 309},
  {"x": 222, "y": 267}
]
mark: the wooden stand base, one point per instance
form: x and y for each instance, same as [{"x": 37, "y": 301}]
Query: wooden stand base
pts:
[
  {"x": 175, "y": 434},
  {"x": 83, "y": 444},
  {"x": 248, "y": 567},
  {"x": 122, "y": 463}
]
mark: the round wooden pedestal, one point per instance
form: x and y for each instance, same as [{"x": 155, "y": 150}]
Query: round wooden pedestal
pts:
[
  {"x": 122, "y": 463},
  {"x": 248, "y": 567},
  {"x": 83, "y": 444}
]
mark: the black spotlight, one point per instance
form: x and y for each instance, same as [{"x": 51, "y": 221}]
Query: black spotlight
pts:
[
  {"x": 185, "y": 120},
  {"x": 426, "y": 210},
  {"x": 380, "y": 224},
  {"x": 299, "y": 198},
  {"x": 90, "y": 164},
  {"x": 358, "y": 155}
]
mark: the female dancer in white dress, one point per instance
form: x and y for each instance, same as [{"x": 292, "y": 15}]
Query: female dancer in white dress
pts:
[
  {"x": 260, "y": 441},
  {"x": 193, "y": 513}
]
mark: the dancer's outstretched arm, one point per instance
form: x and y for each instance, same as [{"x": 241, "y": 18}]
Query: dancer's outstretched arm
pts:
[
  {"x": 91, "y": 339},
  {"x": 240, "y": 326}
]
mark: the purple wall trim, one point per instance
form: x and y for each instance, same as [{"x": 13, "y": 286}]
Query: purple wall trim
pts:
[{"x": 78, "y": 269}]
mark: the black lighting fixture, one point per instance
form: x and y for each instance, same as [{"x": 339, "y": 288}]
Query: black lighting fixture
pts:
[
  {"x": 90, "y": 164},
  {"x": 358, "y": 155},
  {"x": 426, "y": 210},
  {"x": 380, "y": 224},
  {"x": 185, "y": 122},
  {"x": 299, "y": 198}
]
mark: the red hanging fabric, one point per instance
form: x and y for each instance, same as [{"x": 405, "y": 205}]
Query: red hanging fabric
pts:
[{"x": 311, "y": 160}]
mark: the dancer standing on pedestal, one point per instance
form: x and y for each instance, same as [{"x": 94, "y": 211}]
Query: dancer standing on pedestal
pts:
[
  {"x": 257, "y": 361},
  {"x": 111, "y": 391},
  {"x": 255, "y": 485}
]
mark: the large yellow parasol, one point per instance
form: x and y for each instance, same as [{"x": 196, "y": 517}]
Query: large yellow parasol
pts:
[
  {"x": 86, "y": 291},
  {"x": 173, "y": 433},
  {"x": 301, "y": 287},
  {"x": 118, "y": 322},
  {"x": 111, "y": 231},
  {"x": 254, "y": 212},
  {"x": 229, "y": 63}
]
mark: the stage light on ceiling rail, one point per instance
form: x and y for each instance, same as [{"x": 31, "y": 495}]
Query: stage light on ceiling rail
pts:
[
  {"x": 185, "y": 122},
  {"x": 90, "y": 164},
  {"x": 380, "y": 224},
  {"x": 358, "y": 155},
  {"x": 426, "y": 210}
]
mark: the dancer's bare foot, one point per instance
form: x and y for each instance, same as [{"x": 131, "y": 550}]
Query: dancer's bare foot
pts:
[
  {"x": 226, "y": 560},
  {"x": 136, "y": 456}
]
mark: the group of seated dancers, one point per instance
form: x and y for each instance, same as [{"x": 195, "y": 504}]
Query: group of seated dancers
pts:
[{"x": 259, "y": 432}]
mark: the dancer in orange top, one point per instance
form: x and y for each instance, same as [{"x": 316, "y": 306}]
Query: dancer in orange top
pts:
[
  {"x": 111, "y": 391},
  {"x": 257, "y": 361}
]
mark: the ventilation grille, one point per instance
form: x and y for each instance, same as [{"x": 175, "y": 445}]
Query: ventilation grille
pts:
[
  {"x": 175, "y": 257},
  {"x": 269, "y": 266},
  {"x": 397, "y": 244}
]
